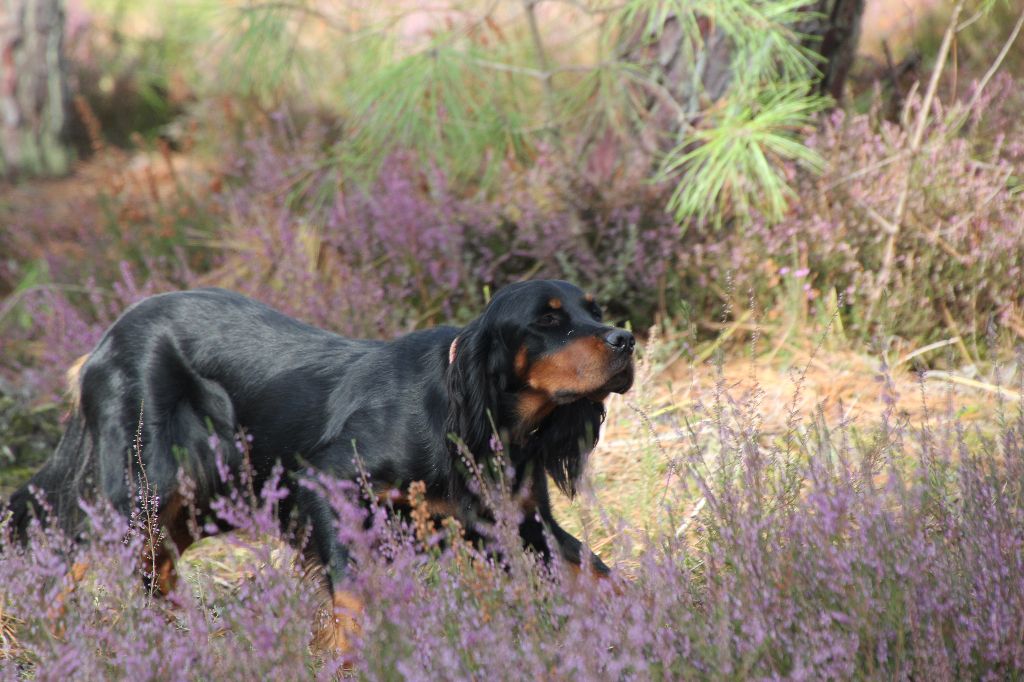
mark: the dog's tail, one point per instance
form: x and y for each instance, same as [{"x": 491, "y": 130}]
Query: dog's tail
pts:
[{"x": 53, "y": 492}]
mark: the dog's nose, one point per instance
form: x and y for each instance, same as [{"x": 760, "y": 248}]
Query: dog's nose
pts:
[{"x": 620, "y": 340}]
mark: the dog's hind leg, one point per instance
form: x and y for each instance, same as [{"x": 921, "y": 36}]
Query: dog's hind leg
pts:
[
  {"x": 336, "y": 627},
  {"x": 166, "y": 543}
]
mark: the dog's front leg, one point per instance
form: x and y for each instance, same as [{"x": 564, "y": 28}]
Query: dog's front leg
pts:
[
  {"x": 539, "y": 524},
  {"x": 572, "y": 549}
]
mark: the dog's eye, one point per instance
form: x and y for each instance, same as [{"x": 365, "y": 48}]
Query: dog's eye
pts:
[
  {"x": 596, "y": 312},
  {"x": 548, "y": 320}
]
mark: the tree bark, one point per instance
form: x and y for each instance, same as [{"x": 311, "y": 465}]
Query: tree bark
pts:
[
  {"x": 832, "y": 30},
  {"x": 33, "y": 91}
]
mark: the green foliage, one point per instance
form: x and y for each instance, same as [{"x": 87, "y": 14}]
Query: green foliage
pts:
[
  {"x": 481, "y": 84},
  {"x": 734, "y": 164},
  {"x": 30, "y": 433},
  {"x": 762, "y": 32},
  {"x": 439, "y": 103},
  {"x": 727, "y": 159},
  {"x": 263, "y": 49}
]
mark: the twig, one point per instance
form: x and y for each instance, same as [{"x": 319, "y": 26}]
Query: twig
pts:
[
  {"x": 915, "y": 145},
  {"x": 938, "y": 240},
  {"x": 147, "y": 501},
  {"x": 991, "y": 70},
  {"x": 1016, "y": 324},
  {"x": 972, "y": 383},
  {"x": 933, "y": 236},
  {"x": 691, "y": 516},
  {"x": 719, "y": 326},
  {"x": 933, "y": 84},
  {"x": 930, "y": 347},
  {"x": 952, "y": 325},
  {"x": 888, "y": 227},
  {"x": 866, "y": 170},
  {"x": 973, "y": 19}
]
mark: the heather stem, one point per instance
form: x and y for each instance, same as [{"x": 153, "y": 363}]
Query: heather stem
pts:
[{"x": 915, "y": 145}]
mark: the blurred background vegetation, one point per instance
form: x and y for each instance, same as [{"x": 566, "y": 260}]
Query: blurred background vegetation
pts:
[{"x": 703, "y": 166}]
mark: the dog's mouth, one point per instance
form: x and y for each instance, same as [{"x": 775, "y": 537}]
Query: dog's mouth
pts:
[{"x": 619, "y": 381}]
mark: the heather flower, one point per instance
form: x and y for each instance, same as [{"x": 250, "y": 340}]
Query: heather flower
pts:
[
  {"x": 839, "y": 551},
  {"x": 805, "y": 565}
]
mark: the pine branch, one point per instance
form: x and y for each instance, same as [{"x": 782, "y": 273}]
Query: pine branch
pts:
[{"x": 545, "y": 64}]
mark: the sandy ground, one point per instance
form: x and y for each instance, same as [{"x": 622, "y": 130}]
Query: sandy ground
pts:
[{"x": 893, "y": 21}]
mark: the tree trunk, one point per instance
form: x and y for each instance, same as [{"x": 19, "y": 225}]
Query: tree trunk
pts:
[
  {"x": 33, "y": 93},
  {"x": 693, "y": 82},
  {"x": 834, "y": 33}
]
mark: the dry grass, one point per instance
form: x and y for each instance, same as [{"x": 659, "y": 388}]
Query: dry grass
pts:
[
  {"x": 633, "y": 489},
  {"x": 8, "y": 631},
  {"x": 140, "y": 196},
  {"x": 231, "y": 559},
  {"x": 648, "y": 430}
]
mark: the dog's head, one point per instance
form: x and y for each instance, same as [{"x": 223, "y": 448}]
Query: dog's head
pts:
[{"x": 536, "y": 365}]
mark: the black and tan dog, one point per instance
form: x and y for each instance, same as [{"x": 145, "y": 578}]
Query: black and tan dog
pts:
[{"x": 535, "y": 366}]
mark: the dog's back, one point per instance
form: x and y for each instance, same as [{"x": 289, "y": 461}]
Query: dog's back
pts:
[{"x": 157, "y": 342}]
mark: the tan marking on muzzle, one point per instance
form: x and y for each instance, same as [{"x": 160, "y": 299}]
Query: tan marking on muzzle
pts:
[
  {"x": 581, "y": 367},
  {"x": 532, "y": 407},
  {"x": 521, "y": 362}
]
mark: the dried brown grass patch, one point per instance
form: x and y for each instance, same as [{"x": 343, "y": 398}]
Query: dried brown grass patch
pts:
[{"x": 647, "y": 431}]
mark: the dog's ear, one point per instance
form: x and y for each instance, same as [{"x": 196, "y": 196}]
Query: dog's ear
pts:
[
  {"x": 476, "y": 378},
  {"x": 566, "y": 438}
]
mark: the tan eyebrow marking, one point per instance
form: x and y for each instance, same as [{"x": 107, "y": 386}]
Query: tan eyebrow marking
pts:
[
  {"x": 555, "y": 303},
  {"x": 588, "y": 297}
]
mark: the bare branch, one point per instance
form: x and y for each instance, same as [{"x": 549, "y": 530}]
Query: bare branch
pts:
[{"x": 915, "y": 145}]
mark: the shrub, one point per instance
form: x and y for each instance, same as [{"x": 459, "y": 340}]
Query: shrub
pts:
[
  {"x": 956, "y": 268},
  {"x": 410, "y": 249},
  {"x": 30, "y": 431},
  {"x": 59, "y": 323},
  {"x": 101, "y": 622},
  {"x": 956, "y": 254},
  {"x": 836, "y": 551}
]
